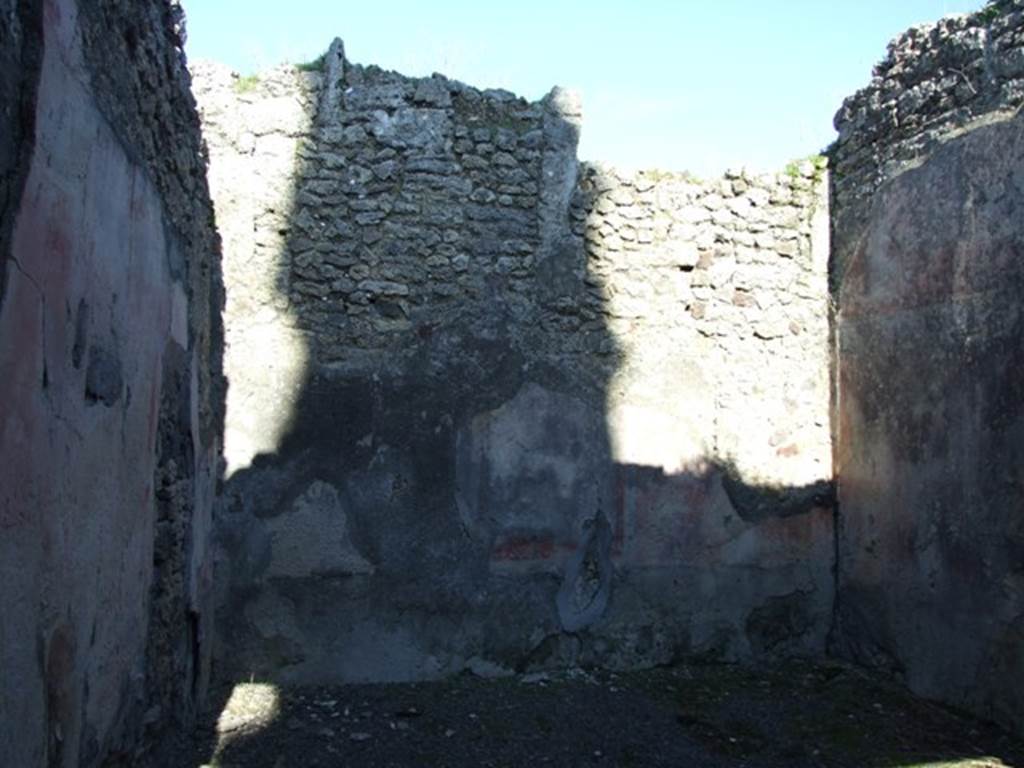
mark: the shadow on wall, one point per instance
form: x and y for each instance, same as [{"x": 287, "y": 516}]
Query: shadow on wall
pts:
[{"x": 431, "y": 424}]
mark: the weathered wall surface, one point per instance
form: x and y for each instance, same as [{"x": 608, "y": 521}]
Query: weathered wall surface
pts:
[
  {"x": 928, "y": 236},
  {"x": 492, "y": 409},
  {"x": 109, "y": 378}
]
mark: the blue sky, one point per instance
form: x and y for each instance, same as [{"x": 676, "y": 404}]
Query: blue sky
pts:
[{"x": 679, "y": 85}]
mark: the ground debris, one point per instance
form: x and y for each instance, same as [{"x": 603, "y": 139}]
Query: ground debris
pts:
[{"x": 713, "y": 716}]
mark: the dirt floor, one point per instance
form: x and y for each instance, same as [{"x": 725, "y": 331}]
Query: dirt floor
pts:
[{"x": 717, "y": 715}]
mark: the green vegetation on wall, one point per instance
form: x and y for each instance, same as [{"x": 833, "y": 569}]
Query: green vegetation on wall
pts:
[
  {"x": 316, "y": 65},
  {"x": 246, "y": 83}
]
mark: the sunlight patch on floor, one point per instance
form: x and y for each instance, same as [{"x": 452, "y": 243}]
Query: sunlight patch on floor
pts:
[{"x": 250, "y": 708}]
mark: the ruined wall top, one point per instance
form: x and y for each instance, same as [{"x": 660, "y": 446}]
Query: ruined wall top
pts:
[
  {"x": 384, "y": 205},
  {"x": 937, "y": 80},
  {"x": 390, "y": 202}
]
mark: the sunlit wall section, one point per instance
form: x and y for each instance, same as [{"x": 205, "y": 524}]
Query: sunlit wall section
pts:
[
  {"x": 255, "y": 128},
  {"x": 716, "y": 294}
]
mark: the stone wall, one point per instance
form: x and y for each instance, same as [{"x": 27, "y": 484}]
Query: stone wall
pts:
[
  {"x": 110, "y": 304},
  {"x": 937, "y": 81},
  {"x": 493, "y": 409},
  {"x": 490, "y": 408},
  {"x": 927, "y": 244}
]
